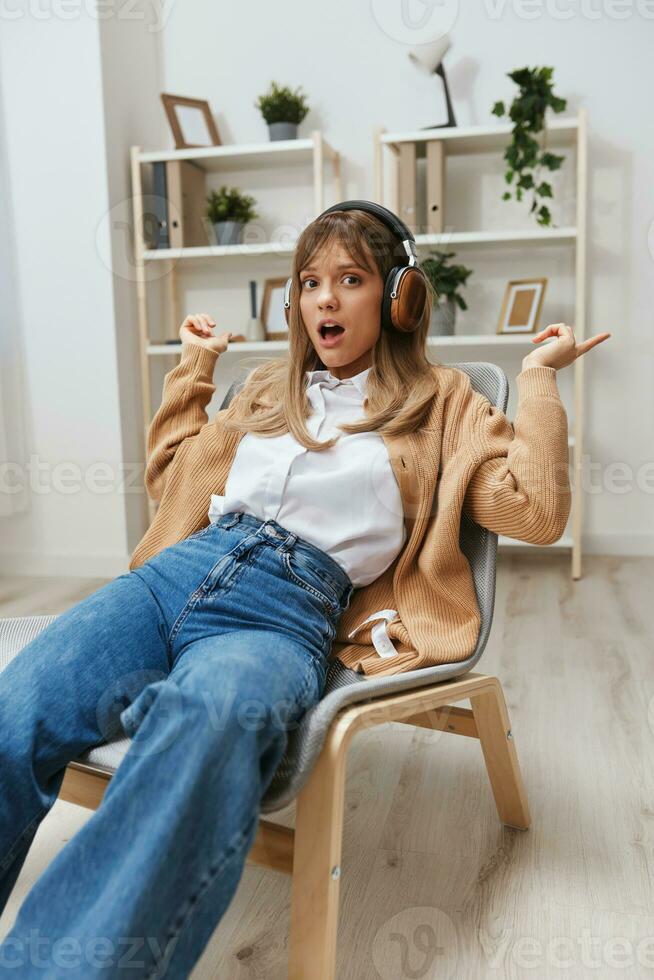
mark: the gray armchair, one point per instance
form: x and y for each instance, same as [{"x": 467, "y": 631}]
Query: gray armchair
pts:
[{"x": 312, "y": 771}]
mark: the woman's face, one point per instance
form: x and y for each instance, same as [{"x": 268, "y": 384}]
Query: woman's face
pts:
[{"x": 334, "y": 287}]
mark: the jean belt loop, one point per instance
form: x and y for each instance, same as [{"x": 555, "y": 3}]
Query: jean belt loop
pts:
[{"x": 289, "y": 541}]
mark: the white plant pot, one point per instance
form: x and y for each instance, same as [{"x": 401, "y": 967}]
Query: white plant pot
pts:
[
  {"x": 282, "y": 131},
  {"x": 443, "y": 318},
  {"x": 228, "y": 232}
]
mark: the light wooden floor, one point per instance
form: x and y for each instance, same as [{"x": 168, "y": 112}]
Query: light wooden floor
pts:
[{"x": 433, "y": 886}]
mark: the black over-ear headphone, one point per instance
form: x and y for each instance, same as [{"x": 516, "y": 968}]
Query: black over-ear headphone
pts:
[{"x": 405, "y": 290}]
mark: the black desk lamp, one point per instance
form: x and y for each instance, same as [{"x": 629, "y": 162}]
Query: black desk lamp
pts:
[{"x": 428, "y": 58}]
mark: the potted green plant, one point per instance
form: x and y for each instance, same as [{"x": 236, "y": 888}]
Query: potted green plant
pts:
[
  {"x": 524, "y": 154},
  {"x": 446, "y": 279},
  {"x": 283, "y": 110},
  {"x": 229, "y": 210}
]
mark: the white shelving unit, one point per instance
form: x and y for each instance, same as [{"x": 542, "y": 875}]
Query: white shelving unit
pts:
[{"x": 569, "y": 133}]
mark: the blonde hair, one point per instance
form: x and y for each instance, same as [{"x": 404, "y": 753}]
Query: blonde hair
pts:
[{"x": 401, "y": 383}]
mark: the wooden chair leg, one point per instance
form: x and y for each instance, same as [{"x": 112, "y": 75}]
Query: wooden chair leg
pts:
[
  {"x": 317, "y": 864},
  {"x": 497, "y": 743}
]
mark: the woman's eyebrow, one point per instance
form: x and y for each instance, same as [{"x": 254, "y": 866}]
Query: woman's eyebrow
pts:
[{"x": 343, "y": 265}]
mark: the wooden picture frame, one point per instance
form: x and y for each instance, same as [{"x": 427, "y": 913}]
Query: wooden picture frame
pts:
[
  {"x": 191, "y": 122},
  {"x": 521, "y": 306},
  {"x": 272, "y": 309}
]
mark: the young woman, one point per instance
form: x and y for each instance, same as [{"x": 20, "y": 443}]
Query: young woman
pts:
[{"x": 217, "y": 640}]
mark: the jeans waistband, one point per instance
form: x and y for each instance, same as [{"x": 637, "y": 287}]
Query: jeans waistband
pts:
[{"x": 288, "y": 541}]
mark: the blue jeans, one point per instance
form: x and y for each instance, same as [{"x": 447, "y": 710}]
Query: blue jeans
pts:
[{"x": 206, "y": 656}]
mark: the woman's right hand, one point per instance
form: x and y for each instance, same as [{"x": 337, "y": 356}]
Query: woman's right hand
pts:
[{"x": 197, "y": 328}]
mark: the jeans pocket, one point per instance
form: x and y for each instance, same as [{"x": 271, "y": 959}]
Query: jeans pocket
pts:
[{"x": 302, "y": 573}]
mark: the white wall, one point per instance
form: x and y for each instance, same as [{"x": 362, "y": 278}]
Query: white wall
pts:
[
  {"x": 57, "y": 163},
  {"x": 130, "y": 51},
  {"x": 73, "y": 92},
  {"x": 14, "y": 494},
  {"x": 77, "y": 92}
]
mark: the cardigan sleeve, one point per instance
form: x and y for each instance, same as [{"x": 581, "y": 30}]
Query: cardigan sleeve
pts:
[
  {"x": 187, "y": 390},
  {"x": 520, "y": 483}
]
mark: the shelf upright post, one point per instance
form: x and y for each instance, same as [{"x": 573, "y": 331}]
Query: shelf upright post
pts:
[
  {"x": 318, "y": 164},
  {"x": 580, "y": 333},
  {"x": 141, "y": 297},
  {"x": 173, "y": 298},
  {"x": 378, "y": 164},
  {"x": 338, "y": 186},
  {"x": 395, "y": 180}
]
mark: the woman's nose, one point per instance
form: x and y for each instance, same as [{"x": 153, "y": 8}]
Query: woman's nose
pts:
[{"x": 326, "y": 297}]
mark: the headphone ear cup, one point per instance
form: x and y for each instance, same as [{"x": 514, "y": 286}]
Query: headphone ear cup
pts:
[{"x": 407, "y": 306}]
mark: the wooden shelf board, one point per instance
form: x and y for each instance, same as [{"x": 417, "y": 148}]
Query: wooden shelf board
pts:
[
  {"x": 499, "y": 237},
  {"x": 243, "y": 156},
  {"x": 243, "y": 346},
  {"x": 261, "y": 346},
  {"x": 219, "y": 251},
  {"x": 482, "y": 139},
  {"x": 523, "y": 236}
]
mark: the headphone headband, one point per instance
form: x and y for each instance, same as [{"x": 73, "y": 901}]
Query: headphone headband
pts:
[{"x": 392, "y": 222}]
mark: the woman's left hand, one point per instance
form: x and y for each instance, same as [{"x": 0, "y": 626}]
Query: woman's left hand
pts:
[{"x": 562, "y": 351}]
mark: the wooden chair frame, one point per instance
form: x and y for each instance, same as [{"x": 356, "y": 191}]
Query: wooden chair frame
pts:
[{"x": 311, "y": 853}]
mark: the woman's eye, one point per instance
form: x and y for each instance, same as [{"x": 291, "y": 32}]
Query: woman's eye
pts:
[{"x": 306, "y": 282}]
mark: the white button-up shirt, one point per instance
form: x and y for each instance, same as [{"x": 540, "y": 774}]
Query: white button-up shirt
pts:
[{"x": 345, "y": 500}]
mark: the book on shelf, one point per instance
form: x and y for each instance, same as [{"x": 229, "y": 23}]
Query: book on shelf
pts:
[
  {"x": 406, "y": 186},
  {"x": 179, "y": 189},
  {"x": 186, "y": 197},
  {"x": 420, "y": 186},
  {"x": 435, "y": 187}
]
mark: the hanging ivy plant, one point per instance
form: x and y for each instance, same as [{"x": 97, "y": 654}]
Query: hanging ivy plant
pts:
[{"x": 525, "y": 156}]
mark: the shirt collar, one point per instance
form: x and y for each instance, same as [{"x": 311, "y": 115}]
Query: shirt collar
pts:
[{"x": 325, "y": 376}]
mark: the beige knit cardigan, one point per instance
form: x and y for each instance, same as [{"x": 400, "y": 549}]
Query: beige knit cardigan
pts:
[{"x": 511, "y": 479}]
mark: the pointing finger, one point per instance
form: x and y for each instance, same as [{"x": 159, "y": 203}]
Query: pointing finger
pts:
[{"x": 592, "y": 342}]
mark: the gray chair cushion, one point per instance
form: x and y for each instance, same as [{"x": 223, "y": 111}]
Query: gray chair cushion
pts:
[{"x": 343, "y": 686}]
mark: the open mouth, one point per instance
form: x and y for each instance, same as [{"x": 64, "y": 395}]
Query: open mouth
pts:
[{"x": 331, "y": 330}]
